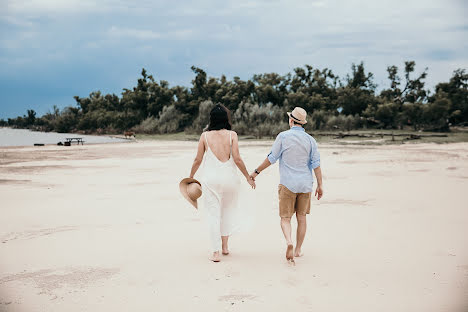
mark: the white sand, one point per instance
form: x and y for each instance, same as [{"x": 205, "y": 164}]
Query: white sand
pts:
[
  {"x": 103, "y": 228},
  {"x": 24, "y": 137}
]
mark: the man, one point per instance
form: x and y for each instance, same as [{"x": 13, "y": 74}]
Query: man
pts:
[{"x": 298, "y": 157}]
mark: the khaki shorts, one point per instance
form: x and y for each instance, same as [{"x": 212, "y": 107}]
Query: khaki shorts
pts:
[{"x": 290, "y": 202}]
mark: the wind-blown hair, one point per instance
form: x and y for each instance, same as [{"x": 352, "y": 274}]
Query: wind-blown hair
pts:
[{"x": 220, "y": 118}]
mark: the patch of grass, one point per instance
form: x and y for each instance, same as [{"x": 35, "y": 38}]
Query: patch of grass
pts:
[
  {"x": 180, "y": 136},
  {"x": 401, "y": 136},
  {"x": 331, "y": 137}
]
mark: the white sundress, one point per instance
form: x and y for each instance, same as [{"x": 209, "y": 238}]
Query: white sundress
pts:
[{"x": 220, "y": 186}]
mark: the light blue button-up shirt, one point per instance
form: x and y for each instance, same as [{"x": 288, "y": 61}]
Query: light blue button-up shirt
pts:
[{"x": 298, "y": 156}]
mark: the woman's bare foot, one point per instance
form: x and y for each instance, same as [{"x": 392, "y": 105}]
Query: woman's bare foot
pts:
[
  {"x": 215, "y": 257},
  {"x": 298, "y": 253},
  {"x": 225, "y": 249},
  {"x": 289, "y": 253}
]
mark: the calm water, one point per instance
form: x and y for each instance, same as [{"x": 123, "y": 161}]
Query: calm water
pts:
[{"x": 22, "y": 137}]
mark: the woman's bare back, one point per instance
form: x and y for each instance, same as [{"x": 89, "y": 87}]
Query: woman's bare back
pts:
[{"x": 219, "y": 144}]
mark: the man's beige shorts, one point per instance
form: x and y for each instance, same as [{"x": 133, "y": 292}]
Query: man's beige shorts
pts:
[{"x": 290, "y": 202}]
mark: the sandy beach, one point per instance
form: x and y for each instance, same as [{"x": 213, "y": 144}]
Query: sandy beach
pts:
[{"x": 103, "y": 228}]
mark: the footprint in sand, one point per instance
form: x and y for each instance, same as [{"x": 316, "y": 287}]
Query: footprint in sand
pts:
[
  {"x": 230, "y": 272},
  {"x": 36, "y": 233},
  {"x": 304, "y": 300},
  {"x": 47, "y": 281},
  {"x": 13, "y": 181},
  {"x": 290, "y": 281},
  {"x": 236, "y": 298},
  {"x": 345, "y": 202}
]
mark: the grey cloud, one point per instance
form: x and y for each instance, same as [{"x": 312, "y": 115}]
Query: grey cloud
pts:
[{"x": 237, "y": 38}]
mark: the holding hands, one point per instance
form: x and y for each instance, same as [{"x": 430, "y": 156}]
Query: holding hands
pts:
[
  {"x": 251, "y": 178},
  {"x": 253, "y": 175},
  {"x": 251, "y": 182}
]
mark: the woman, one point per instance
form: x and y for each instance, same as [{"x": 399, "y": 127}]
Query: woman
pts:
[{"x": 220, "y": 182}]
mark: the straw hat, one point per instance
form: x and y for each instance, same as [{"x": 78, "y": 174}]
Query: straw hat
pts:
[
  {"x": 298, "y": 115},
  {"x": 191, "y": 190}
]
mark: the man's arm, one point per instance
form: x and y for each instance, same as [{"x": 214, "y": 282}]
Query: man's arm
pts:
[
  {"x": 319, "y": 189},
  {"x": 271, "y": 158},
  {"x": 315, "y": 165},
  {"x": 265, "y": 164}
]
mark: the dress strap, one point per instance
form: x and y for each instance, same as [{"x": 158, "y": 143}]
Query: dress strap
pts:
[
  {"x": 230, "y": 139},
  {"x": 206, "y": 140}
]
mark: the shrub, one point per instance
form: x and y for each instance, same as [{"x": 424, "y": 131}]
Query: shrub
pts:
[
  {"x": 318, "y": 120},
  {"x": 148, "y": 126},
  {"x": 169, "y": 120},
  {"x": 260, "y": 121},
  {"x": 203, "y": 118}
]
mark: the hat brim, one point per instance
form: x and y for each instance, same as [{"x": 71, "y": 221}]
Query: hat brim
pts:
[
  {"x": 183, "y": 190},
  {"x": 302, "y": 122}
]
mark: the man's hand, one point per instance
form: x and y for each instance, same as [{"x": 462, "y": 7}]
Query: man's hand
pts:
[
  {"x": 319, "y": 192},
  {"x": 251, "y": 182},
  {"x": 253, "y": 175}
]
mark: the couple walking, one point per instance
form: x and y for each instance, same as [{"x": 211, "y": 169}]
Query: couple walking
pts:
[{"x": 218, "y": 146}]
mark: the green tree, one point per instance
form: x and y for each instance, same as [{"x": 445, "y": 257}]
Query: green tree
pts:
[
  {"x": 387, "y": 114},
  {"x": 456, "y": 90},
  {"x": 199, "y": 91},
  {"x": 413, "y": 114},
  {"x": 30, "y": 118},
  {"x": 411, "y": 91},
  {"x": 436, "y": 113},
  {"x": 358, "y": 93}
]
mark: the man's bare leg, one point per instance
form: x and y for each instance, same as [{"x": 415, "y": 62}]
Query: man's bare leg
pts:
[
  {"x": 224, "y": 240},
  {"x": 286, "y": 227},
  {"x": 300, "y": 234}
]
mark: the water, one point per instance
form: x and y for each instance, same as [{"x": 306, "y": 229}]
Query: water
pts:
[{"x": 23, "y": 137}]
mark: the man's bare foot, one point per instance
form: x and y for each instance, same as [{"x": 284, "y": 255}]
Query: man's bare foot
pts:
[
  {"x": 215, "y": 257},
  {"x": 298, "y": 253},
  {"x": 289, "y": 253},
  {"x": 225, "y": 249}
]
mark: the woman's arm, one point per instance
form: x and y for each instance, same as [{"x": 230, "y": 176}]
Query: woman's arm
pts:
[
  {"x": 238, "y": 160},
  {"x": 198, "y": 159}
]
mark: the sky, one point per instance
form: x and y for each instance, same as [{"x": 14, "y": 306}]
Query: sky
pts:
[{"x": 52, "y": 50}]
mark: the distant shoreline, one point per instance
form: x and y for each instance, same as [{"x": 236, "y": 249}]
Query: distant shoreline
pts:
[
  {"x": 354, "y": 137},
  {"x": 10, "y": 137}
]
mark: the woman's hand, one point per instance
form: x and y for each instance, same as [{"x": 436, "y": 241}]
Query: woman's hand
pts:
[{"x": 251, "y": 182}]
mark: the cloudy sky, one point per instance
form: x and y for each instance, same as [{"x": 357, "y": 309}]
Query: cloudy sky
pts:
[{"x": 51, "y": 50}]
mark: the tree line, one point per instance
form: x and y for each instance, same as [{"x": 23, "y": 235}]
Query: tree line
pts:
[{"x": 258, "y": 105}]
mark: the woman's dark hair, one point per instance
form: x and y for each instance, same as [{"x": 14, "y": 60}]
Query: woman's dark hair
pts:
[{"x": 220, "y": 118}]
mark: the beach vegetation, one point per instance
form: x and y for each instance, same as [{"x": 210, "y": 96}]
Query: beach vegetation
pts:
[{"x": 259, "y": 105}]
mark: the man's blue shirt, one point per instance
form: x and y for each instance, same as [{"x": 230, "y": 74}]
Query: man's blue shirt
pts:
[{"x": 298, "y": 156}]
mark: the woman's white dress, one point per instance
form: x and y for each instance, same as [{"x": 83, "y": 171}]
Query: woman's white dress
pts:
[{"x": 220, "y": 186}]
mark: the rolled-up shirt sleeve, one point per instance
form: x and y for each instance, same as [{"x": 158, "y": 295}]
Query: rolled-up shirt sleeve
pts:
[
  {"x": 275, "y": 150},
  {"x": 314, "y": 156}
]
